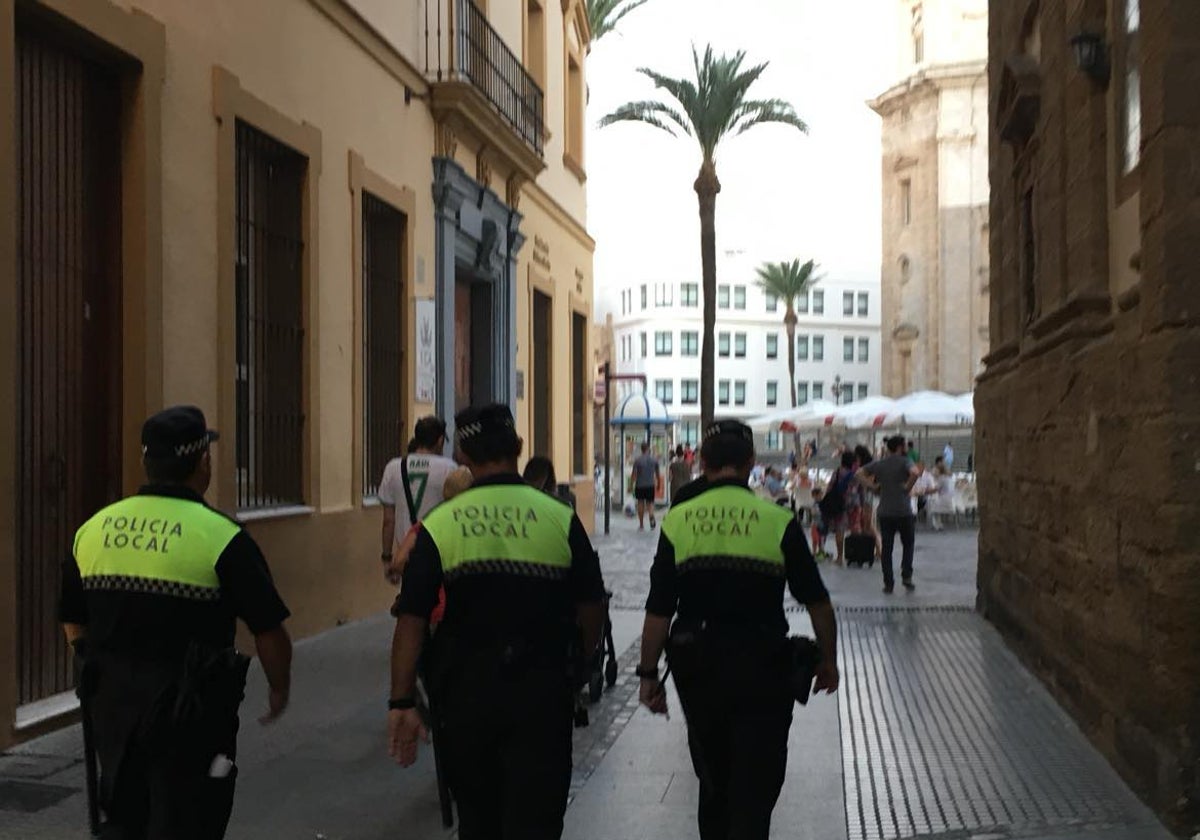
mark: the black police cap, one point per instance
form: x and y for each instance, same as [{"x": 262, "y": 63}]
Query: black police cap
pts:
[
  {"x": 176, "y": 432},
  {"x": 735, "y": 428},
  {"x": 483, "y": 421}
]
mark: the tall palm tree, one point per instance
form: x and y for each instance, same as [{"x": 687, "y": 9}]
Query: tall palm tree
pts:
[
  {"x": 710, "y": 107},
  {"x": 788, "y": 281},
  {"x": 604, "y": 15}
]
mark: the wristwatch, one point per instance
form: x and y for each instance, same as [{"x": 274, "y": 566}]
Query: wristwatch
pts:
[
  {"x": 401, "y": 703},
  {"x": 646, "y": 673}
]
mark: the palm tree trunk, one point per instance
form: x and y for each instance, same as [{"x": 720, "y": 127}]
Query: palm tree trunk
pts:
[
  {"x": 790, "y": 320},
  {"x": 707, "y": 186}
]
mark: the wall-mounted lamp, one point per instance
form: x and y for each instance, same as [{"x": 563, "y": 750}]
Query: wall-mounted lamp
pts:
[{"x": 1091, "y": 55}]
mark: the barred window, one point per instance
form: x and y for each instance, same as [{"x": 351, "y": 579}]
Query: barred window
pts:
[
  {"x": 269, "y": 299},
  {"x": 382, "y": 336}
]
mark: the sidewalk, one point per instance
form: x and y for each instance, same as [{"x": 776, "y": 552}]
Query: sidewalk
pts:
[{"x": 937, "y": 732}]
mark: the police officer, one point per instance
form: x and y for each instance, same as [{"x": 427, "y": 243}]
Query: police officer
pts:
[
  {"x": 150, "y": 601},
  {"x": 723, "y": 558},
  {"x": 521, "y": 581}
]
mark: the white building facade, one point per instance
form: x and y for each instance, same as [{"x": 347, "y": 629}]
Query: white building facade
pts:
[{"x": 658, "y": 327}]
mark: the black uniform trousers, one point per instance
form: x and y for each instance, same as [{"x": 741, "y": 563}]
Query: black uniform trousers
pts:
[
  {"x": 738, "y": 706},
  {"x": 504, "y": 737},
  {"x": 156, "y": 781}
]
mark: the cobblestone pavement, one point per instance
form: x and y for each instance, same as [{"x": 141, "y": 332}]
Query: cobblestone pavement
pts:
[{"x": 937, "y": 732}]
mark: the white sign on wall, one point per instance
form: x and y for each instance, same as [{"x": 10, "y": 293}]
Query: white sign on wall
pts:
[{"x": 426, "y": 351}]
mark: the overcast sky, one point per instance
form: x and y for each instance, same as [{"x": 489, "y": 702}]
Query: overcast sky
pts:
[{"x": 784, "y": 194}]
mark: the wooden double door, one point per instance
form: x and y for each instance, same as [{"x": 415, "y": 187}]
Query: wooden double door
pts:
[{"x": 69, "y": 334}]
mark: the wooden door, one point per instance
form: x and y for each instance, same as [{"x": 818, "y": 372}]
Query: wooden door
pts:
[{"x": 69, "y": 298}]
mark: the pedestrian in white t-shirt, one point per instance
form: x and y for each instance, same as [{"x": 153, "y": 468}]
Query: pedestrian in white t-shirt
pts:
[{"x": 426, "y": 469}]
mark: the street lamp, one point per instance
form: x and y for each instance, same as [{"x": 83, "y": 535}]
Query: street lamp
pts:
[{"x": 836, "y": 387}]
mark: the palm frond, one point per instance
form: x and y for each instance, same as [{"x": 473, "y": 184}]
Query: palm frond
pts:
[
  {"x": 787, "y": 280},
  {"x": 761, "y": 111},
  {"x": 604, "y": 15},
  {"x": 649, "y": 112}
]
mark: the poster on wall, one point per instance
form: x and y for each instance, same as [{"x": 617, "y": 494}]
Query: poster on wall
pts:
[{"x": 426, "y": 352}]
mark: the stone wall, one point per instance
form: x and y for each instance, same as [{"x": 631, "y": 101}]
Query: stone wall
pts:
[{"x": 1088, "y": 415}]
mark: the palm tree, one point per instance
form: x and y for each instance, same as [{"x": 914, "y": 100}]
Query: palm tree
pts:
[
  {"x": 788, "y": 281},
  {"x": 712, "y": 106},
  {"x": 604, "y": 15}
]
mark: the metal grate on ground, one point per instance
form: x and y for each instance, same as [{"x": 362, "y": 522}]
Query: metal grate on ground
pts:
[{"x": 944, "y": 734}]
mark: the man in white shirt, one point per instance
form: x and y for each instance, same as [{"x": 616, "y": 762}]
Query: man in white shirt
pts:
[{"x": 426, "y": 470}]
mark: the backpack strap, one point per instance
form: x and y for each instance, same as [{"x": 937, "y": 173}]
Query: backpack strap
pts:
[{"x": 412, "y": 508}]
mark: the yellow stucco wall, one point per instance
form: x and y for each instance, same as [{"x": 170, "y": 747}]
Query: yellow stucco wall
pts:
[{"x": 300, "y": 62}]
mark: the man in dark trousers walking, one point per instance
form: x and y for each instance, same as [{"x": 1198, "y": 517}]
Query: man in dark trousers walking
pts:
[
  {"x": 723, "y": 559},
  {"x": 150, "y": 603},
  {"x": 893, "y": 478},
  {"x": 522, "y": 584}
]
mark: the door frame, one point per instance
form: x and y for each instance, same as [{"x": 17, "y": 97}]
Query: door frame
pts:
[{"x": 134, "y": 44}]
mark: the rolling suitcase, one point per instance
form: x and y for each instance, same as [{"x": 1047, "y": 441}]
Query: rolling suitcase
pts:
[{"x": 860, "y": 550}]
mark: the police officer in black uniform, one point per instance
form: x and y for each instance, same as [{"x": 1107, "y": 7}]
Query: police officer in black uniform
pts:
[
  {"x": 723, "y": 558},
  {"x": 149, "y": 601},
  {"x": 522, "y": 582}
]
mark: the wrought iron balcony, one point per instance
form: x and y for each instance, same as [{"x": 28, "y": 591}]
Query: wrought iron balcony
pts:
[{"x": 462, "y": 47}]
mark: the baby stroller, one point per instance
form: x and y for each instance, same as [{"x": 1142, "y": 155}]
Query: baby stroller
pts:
[{"x": 601, "y": 670}]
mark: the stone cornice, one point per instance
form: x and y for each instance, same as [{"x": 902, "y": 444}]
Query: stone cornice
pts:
[
  {"x": 465, "y": 110},
  {"x": 926, "y": 82}
]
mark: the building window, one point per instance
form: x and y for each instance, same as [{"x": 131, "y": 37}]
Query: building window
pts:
[
  {"x": 690, "y": 294},
  {"x": 772, "y": 392},
  {"x": 864, "y": 349},
  {"x": 270, "y": 331},
  {"x": 862, "y": 390},
  {"x": 689, "y": 391},
  {"x": 662, "y": 344},
  {"x": 847, "y": 349},
  {"x": 382, "y": 335},
  {"x": 575, "y": 99},
  {"x": 689, "y": 432},
  {"x": 739, "y": 392},
  {"x": 772, "y": 345},
  {"x": 801, "y": 393},
  {"x": 689, "y": 344},
  {"x": 723, "y": 392},
  {"x": 535, "y": 41},
  {"x": 722, "y": 297},
  {"x": 643, "y": 296},
  {"x": 847, "y": 392},
  {"x": 723, "y": 345},
  {"x": 905, "y": 202},
  {"x": 739, "y": 297},
  {"x": 739, "y": 345},
  {"x": 1129, "y": 111},
  {"x": 818, "y": 390},
  {"x": 579, "y": 394},
  {"x": 773, "y": 440},
  {"x": 818, "y": 302},
  {"x": 802, "y": 348},
  {"x": 643, "y": 337},
  {"x": 664, "y": 294},
  {"x": 864, "y": 306},
  {"x": 818, "y": 348},
  {"x": 772, "y": 302},
  {"x": 802, "y": 303},
  {"x": 664, "y": 389}
]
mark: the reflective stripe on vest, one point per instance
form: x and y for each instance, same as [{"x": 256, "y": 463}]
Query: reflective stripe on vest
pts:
[
  {"x": 502, "y": 529},
  {"x": 728, "y": 528},
  {"x": 155, "y": 544}
]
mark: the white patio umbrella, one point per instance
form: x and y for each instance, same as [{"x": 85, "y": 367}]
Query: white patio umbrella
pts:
[
  {"x": 867, "y": 413},
  {"x": 930, "y": 408},
  {"x": 811, "y": 415}
]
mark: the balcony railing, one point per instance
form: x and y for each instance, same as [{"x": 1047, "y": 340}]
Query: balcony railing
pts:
[{"x": 460, "y": 45}]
